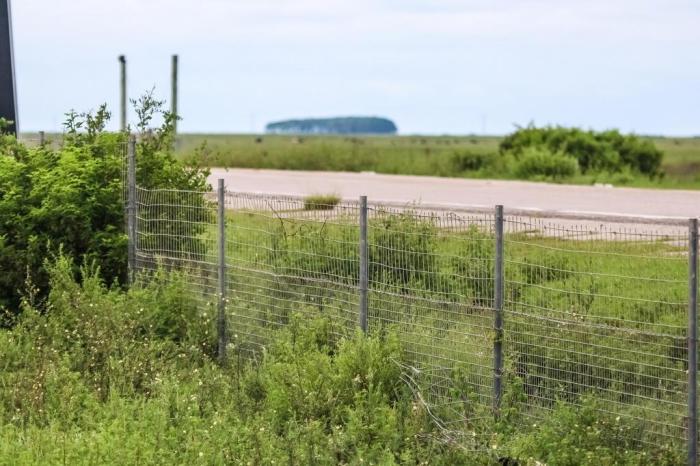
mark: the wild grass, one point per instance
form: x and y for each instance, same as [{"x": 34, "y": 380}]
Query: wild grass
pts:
[
  {"x": 108, "y": 377},
  {"x": 444, "y": 156},
  {"x": 393, "y": 155},
  {"x": 105, "y": 376}
]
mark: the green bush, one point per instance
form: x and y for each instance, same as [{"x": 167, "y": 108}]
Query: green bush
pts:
[
  {"x": 402, "y": 251},
  {"x": 466, "y": 160},
  {"x": 72, "y": 198},
  {"x": 596, "y": 152},
  {"x": 314, "y": 250},
  {"x": 540, "y": 163}
]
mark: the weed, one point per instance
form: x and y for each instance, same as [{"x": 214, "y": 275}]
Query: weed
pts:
[{"x": 321, "y": 201}]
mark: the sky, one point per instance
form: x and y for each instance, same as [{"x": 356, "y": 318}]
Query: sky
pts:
[{"x": 432, "y": 66}]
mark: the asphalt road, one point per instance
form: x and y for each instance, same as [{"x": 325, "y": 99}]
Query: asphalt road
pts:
[{"x": 585, "y": 200}]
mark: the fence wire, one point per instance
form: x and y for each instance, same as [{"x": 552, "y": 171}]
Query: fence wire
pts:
[
  {"x": 599, "y": 311},
  {"x": 51, "y": 141},
  {"x": 176, "y": 230},
  {"x": 283, "y": 258},
  {"x": 593, "y": 313},
  {"x": 431, "y": 280}
]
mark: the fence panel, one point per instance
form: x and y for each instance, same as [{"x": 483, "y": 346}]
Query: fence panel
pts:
[
  {"x": 594, "y": 314},
  {"x": 286, "y": 256},
  {"x": 176, "y": 230},
  {"x": 599, "y": 311},
  {"x": 431, "y": 280}
]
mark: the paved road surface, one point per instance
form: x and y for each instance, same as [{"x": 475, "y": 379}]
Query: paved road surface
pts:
[{"x": 479, "y": 193}]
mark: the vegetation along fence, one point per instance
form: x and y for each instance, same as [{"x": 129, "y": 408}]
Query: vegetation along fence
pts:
[{"x": 503, "y": 315}]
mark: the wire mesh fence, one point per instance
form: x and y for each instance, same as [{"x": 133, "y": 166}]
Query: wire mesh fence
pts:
[
  {"x": 431, "y": 280},
  {"x": 176, "y": 230},
  {"x": 599, "y": 310},
  {"x": 41, "y": 139},
  {"x": 284, "y": 258},
  {"x": 591, "y": 312}
]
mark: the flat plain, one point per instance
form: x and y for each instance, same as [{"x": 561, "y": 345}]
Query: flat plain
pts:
[{"x": 410, "y": 155}]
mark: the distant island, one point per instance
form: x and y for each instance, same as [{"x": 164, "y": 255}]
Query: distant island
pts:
[{"x": 340, "y": 125}]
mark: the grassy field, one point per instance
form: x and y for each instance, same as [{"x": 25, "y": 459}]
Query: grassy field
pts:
[
  {"x": 600, "y": 317},
  {"x": 682, "y": 159},
  {"x": 415, "y": 155},
  {"x": 411, "y": 155}
]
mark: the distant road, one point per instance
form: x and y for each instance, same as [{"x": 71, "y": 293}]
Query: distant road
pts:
[{"x": 587, "y": 200}]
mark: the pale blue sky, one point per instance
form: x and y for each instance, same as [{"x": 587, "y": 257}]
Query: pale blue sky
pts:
[{"x": 433, "y": 66}]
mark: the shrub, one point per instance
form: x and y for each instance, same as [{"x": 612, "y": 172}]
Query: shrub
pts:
[
  {"x": 321, "y": 201},
  {"x": 543, "y": 266},
  {"x": 317, "y": 250},
  {"x": 72, "y": 197},
  {"x": 640, "y": 154},
  {"x": 472, "y": 161},
  {"x": 607, "y": 151},
  {"x": 540, "y": 163},
  {"x": 402, "y": 251}
]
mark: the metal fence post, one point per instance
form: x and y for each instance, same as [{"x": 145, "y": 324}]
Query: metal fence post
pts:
[
  {"x": 221, "y": 318},
  {"x": 122, "y": 93},
  {"x": 173, "y": 91},
  {"x": 131, "y": 208},
  {"x": 8, "y": 88},
  {"x": 692, "y": 343},
  {"x": 498, "y": 288},
  {"x": 364, "y": 264}
]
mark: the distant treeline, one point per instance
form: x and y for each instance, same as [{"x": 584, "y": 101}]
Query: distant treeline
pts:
[{"x": 342, "y": 125}]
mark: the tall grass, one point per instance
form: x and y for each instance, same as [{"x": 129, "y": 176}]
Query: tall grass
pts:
[
  {"x": 105, "y": 376},
  {"x": 446, "y": 156}
]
